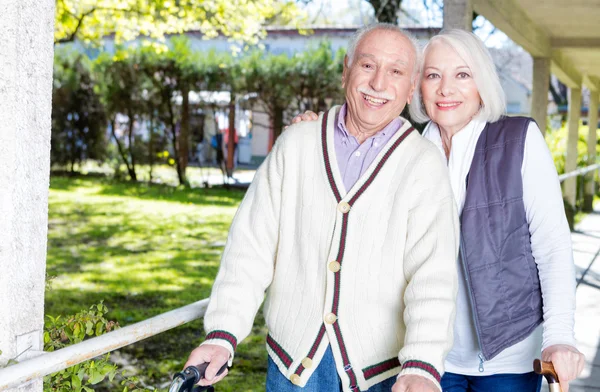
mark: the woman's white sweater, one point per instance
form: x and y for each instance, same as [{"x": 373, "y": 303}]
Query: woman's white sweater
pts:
[{"x": 370, "y": 271}]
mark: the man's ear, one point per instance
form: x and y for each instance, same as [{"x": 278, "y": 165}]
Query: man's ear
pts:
[
  {"x": 345, "y": 71},
  {"x": 413, "y": 88}
]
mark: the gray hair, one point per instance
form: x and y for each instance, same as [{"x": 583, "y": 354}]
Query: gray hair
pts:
[
  {"x": 363, "y": 31},
  {"x": 477, "y": 57}
]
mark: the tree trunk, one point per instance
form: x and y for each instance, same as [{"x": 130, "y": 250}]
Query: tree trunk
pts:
[
  {"x": 174, "y": 141},
  {"x": 131, "y": 172},
  {"x": 558, "y": 96},
  {"x": 231, "y": 136},
  {"x": 73, "y": 149},
  {"x": 131, "y": 140},
  {"x": 277, "y": 122},
  {"x": 184, "y": 131},
  {"x": 151, "y": 146},
  {"x": 386, "y": 11}
]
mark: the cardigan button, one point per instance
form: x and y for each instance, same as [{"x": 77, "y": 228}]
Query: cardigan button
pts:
[
  {"x": 330, "y": 318},
  {"x": 307, "y": 363},
  {"x": 344, "y": 207},
  {"x": 334, "y": 266},
  {"x": 295, "y": 379}
]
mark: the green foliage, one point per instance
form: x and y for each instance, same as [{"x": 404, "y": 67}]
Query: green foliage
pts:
[
  {"x": 317, "y": 76},
  {"x": 145, "y": 249},
  {"x": 125, "y": 90},
  {"x": 557, "y": 143},
  {"x": 297, "y": 83},
  {"x": 78, "y": 116},
  {"x": 60, "y": 332},
  {"x": 90, "y": 20},
  {"x": 142, "y": 94}
]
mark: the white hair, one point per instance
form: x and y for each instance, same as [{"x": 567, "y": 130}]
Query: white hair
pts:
[
  {"x": 472, "y": 50},
  {"x": 363, "y": 31}
]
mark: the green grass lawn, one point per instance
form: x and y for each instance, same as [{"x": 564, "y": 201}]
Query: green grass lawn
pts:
[{"x": 144, "y": 250}]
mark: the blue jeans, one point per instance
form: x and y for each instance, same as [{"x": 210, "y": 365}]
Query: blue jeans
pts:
[
  {"x": 527, "y": 382},
  {"x": 324, "y": 379}
]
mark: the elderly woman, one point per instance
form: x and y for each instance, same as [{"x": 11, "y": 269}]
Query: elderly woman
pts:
[{"x": 517, "y": 290}]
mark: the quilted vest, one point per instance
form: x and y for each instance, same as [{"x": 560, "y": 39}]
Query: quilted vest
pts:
[{"x": 501, "y": 273}]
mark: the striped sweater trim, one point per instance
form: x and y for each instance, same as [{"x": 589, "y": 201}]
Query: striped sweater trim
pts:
[
  {"x": 381, "y": 367},
  {"x": 313, "y": 349},
  {"x": 345, "y": 360},
  {"x": 414, "y": 364},
  {"x": 279, "y": 351},
  {"x": 223, "y": 335},
  {"x": 340, "y": 256},
  {"x": 328, "y": 170}
]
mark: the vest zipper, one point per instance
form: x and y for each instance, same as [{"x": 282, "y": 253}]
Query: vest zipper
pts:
[{"x": 468, "y": 280}]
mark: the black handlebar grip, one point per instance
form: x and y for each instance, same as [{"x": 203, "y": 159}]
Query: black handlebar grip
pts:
[{"x": 185, "y": 381}]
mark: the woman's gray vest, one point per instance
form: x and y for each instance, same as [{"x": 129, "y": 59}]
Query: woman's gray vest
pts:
[{"x": 495, "y": 247}]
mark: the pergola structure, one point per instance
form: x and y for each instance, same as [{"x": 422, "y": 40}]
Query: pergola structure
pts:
[{"x": 563, "y": 38}]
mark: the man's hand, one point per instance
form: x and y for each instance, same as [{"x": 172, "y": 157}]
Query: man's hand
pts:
[
  {"x": 568, "y": 363},
  {"x": 414, "y": 383},
  {"x": 306, "y": 116},
  {"x": 217, "y": 356}
]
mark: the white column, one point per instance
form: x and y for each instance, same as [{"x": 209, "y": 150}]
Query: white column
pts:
[
  {"x": 539, "y": 99},
  {"x": 590, "y": 186},
  {"x": 26, "y": 55},
  {"x": 458, "y": 14},
  {"x": 570, "y": 184}
]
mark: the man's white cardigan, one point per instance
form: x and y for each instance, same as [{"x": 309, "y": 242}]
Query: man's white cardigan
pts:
[{"x": 370, "y": 271}]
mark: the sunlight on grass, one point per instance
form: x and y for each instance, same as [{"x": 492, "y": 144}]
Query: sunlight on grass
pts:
[{"x": 144, "y": 250}]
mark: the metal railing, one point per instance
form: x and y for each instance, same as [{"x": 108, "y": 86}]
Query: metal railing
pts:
[
  {"x": 579, "y": 172},
  {"x": 51, "y": 362}
]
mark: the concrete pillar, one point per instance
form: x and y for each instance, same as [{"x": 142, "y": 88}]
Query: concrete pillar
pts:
[
  {"x": 590, "y": 186},
  {"x": 570, "y": 184},
  {"x": 26, "y": 55},
  {"x": 458, "y": 14},
  {"x": 539, "y": 99}
]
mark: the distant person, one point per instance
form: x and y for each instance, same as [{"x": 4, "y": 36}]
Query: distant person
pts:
[
  {"x": 216, "y": 142},
  {"x": 351, "y": 229}
]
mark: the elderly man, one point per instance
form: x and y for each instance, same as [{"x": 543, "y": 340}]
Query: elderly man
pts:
[{"x": 350, "y": 227}]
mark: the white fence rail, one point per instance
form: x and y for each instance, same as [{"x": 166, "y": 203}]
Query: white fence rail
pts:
[
  {"x": 47, "y": 363},
  {"x": 579, "y": 172}
]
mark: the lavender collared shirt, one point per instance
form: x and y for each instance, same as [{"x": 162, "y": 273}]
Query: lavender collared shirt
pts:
[{"x": 355, "y": 158}]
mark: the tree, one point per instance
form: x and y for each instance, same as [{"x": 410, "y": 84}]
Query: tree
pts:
[
  {"x": 124, "y": 90},
  {"x": 318, "y": 77},
  {"x": 90, "y": 20},
  {"x": 270, "y": 77},
  {"x": 386, "y": 11},
  {"x": 78, "y": 117},
  {"x": 172, "y": 74}
]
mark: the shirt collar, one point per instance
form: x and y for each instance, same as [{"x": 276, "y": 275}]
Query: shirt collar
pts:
[{"x": 432, "y": 133}]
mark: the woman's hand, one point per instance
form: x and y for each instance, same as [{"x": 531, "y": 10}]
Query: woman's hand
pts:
[
  {"x": 568, "y": 363},
  {"x": 306, "y": 116}
]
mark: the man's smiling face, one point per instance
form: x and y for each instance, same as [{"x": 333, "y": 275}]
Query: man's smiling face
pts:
[{"x": 379, "y": 81}]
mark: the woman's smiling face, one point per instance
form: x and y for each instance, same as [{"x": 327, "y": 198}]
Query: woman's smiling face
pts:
[{"x": 450, "y": 95}]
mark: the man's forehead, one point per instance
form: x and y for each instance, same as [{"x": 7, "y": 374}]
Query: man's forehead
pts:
[
  {"x": 386, "y": 40},
  {"x": 401, "y": 61}
]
